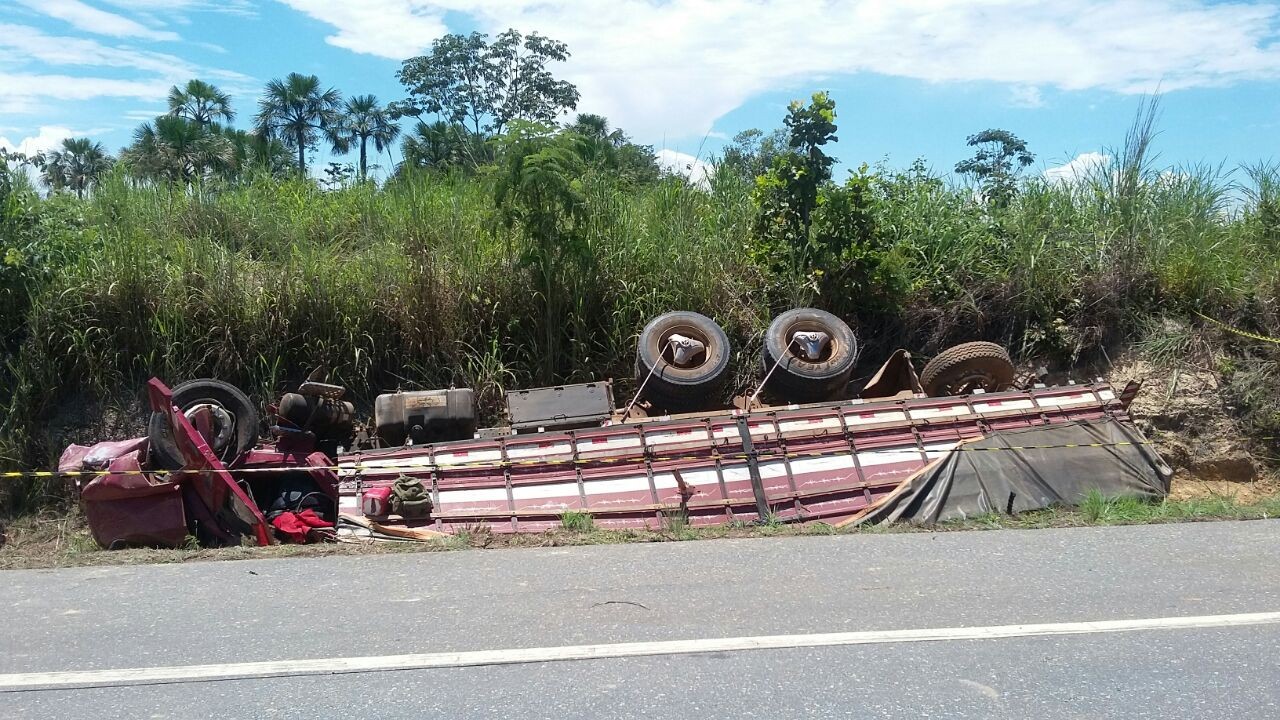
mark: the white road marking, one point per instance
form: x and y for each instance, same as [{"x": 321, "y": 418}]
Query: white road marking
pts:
[{"x": 421, "y": 661}]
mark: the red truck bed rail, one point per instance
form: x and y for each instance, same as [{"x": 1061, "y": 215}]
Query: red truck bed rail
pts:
[{"x": 799, "y": 464}]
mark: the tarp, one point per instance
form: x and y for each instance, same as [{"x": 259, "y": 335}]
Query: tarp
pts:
[{"x": 1020, "y": 470}]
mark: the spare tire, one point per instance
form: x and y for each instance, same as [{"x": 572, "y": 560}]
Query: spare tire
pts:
[
  {"x": 694, "y": 381},
  {"x": 967, "y": 367},
  {"x": 798, "y": 377},
  {"x": 235, "y": 422}
]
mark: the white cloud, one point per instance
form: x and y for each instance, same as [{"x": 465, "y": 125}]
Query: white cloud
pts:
[
  {"x": 20, "y": 87},
  {"x": 395, "y": 29},
  {"x": 19, "y": 105},
  {"x": 47, "y": 138},
  {"x": 678, "y": 163},
  {"x": 1082, "y": 167},
  {"x": 21, "y": 91},
  {"x": 234, "y": 7},
  {"x": 19, "y": 43},
  {"x": 211, "y": 47},
  {"x": 144, "y": 115},
  {"x": 90, "y": 19},
  {"x": 672, "y": 67},
  {"x": 1026, "y": 96}
]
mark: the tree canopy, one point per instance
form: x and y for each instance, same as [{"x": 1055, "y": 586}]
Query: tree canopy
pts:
[
  {"x": 76, "y": 165},
  {"x": 200, "y": 102},
  {"x": 363, "y": 120},
  {"x": 752, "y": 152},
  {"x": 469, "y": 91},
  {"x": 538, "y": 190},
  {"x": 483, "y": 86},
  {"x": 788, "y": 191},
  {"x": 610, "y": 149},
  {"x": 298, "y": 112},
  {"x": 1000, "y": 156},
  {"x": 437, "y": 145},
  {"x": 178, "y": 150},
  {"x": 820, "y": 234}
]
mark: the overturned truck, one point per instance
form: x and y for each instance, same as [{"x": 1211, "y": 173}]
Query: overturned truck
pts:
[{"x": 962, "y": 437}]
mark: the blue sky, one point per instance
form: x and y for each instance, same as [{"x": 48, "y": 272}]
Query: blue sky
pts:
[{"x": 910, "y": 78}]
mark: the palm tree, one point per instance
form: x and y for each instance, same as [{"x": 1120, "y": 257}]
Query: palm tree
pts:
[
  {"x": 200, "y": 102},
  {"x": 596, "y": 127},
  {"x": 434, "y": 145},
  {"x": 296, "y": 111},
  {"x": 77, "y": 166},
  {"x": 363, "y": 120},
  {"x": 178, "y": 150},
  {"x": 251, "y": 150},
  {"x": 602, "y": 144}
]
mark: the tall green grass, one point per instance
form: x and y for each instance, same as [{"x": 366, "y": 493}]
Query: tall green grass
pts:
[{"x": 417, "y": 285}]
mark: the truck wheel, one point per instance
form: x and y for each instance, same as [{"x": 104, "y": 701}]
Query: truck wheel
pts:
[
  {"x": 685, "y": 375},
  {"x": 967, "y": 367},
  {"x": 234, "y": 422},
  {"x": 815, "y": 352}
]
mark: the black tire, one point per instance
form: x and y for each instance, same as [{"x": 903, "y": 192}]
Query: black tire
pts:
[
  {"x": 961, "y": 369},
  {"x": 244, "y": 432},
  {"x": 798, "y": 379},
  {"x": 674, "y": 388}
]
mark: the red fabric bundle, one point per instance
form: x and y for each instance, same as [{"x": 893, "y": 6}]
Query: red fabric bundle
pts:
[{"x": 295, "y": 527}]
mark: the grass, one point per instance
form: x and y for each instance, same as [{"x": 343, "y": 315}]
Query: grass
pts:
[
  {"x": 1098, "y": 510},
  {"x": 577, "y": 521},
  {"x": 62, "y": 540}
]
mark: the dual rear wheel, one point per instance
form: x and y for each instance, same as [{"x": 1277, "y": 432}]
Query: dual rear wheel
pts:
[
  {"x": 682, "y": 358},
  {"x": 682, "y": 361}
]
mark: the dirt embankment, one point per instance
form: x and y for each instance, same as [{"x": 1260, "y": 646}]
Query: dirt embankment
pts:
[{"x": 1186, "y": 413}]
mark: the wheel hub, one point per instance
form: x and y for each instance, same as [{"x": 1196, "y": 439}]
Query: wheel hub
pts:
[
  {"x": 685, "y": 350},
  {"x": 811, "y": 342},
  {"x": 214, "y": 421},
  {"x": 968, "y": 383}
]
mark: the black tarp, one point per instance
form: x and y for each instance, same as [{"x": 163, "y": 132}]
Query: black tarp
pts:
[{"x": 1019, "y": 470}]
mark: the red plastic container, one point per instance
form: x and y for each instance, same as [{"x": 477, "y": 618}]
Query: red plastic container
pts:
[{"x": 376, "y": 502}]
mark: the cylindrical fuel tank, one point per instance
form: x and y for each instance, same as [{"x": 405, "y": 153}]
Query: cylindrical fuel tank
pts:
[{"x": 425, "y": 416}]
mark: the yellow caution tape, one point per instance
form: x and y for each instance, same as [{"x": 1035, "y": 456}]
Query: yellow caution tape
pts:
[
  {"x": 714, "y": 456},
  {"x": 1238, "y": 331}
]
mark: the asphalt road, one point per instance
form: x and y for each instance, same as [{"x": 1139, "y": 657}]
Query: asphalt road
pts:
[{"x": 91, "y": 619}]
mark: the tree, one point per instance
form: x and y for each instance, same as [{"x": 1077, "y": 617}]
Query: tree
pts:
[
  {"x": 176, "y": 150},
  {"x": 200, "y": 102},
  {"x": 1000, "y": 157},
  {"x": 363, "y": 119},
  {"x": 297, "y": 111},
  {"x": 596, "y": 127},
  {"x": 853, "y": 262},
  {"x": 337, "y": 175},
  {"x": 811, "y": 126},
  {"x": 482, "y": 86},
  {"x": 76, "y": 166},
  {"x": 610, "y": 149},
  {"x": 13, "y": 175},
  {"x": 539, "y": 192},
  {"x": 252, "y": 152},
  {"x": 787, "y": 193},
  {"x": 817, "y": 236},
  {"x": 751, "y": 152},
  {"x": 436, "y": 145},
  {"x": 6, "y": 179}
]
